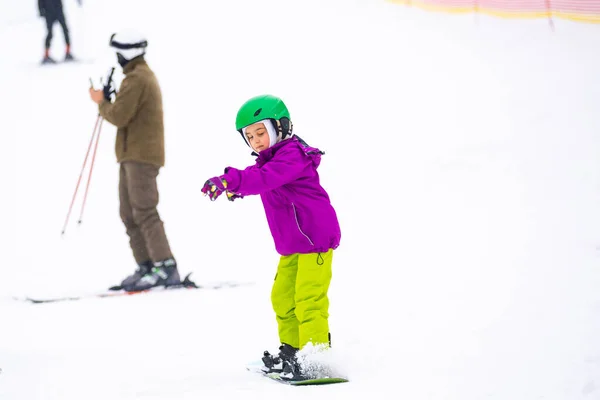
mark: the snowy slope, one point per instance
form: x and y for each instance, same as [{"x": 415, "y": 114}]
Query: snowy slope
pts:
[{"x": 462, "y": 156}]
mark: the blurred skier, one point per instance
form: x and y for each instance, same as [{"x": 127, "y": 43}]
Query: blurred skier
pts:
[
  {"x": 52, "y": 11},
  {"x": 137, "y": 112}
]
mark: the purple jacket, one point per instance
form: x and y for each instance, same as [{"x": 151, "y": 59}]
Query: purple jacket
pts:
[{"x": 298, "y": 209}]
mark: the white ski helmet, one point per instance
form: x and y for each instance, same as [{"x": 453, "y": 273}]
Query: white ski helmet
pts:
[{"x": 129, "y": 44}]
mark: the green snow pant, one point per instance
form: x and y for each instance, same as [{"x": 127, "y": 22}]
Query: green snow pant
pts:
[{"x": 299, "y": 298}]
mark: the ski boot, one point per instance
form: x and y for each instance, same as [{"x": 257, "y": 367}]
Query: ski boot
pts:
[
  {"x": 68, "y": 55},
  {"x": 48, "y": 60},
  {"x": 163, "y": 273},
  {"x": 142, "y": 269}
]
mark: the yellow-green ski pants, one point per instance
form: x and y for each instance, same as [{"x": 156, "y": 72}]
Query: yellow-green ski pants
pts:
[{"x": 299, "y": 298}]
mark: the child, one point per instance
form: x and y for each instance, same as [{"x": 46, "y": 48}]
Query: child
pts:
[{"x": 303, "y": 224}]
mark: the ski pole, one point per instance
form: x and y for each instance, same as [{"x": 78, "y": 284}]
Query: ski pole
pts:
[
  {"x": 81, "y": 174},
  {"x": 87, "y": 187}
]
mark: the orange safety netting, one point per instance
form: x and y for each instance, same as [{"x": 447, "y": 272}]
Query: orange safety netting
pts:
[{"x": 577, "y": 10}]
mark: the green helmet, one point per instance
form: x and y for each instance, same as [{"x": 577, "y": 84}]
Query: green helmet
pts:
[{"x": 259, "y": 108}]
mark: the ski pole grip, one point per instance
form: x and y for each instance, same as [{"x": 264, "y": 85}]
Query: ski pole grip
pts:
[{"x": 112, "y": 71}]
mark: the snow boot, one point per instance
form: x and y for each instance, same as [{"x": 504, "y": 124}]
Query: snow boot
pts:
[
  {"x": 292, "y": 370},
  {"x": 276, "y": 363}
]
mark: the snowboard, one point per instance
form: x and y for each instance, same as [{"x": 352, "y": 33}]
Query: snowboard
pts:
[{"x": 327, "y": 380}]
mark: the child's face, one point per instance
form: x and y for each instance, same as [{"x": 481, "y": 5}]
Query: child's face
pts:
[{"x": 258, "y": 136}]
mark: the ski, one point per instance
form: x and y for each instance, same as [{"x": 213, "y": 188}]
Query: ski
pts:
[{"x": 117, "y": 291}]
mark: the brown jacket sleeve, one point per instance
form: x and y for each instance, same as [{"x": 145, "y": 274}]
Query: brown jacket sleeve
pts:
[{"x": 126, "y": 104}]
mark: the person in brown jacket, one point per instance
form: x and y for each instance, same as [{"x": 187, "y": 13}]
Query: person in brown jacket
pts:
[{"x": 138, "y": 115}]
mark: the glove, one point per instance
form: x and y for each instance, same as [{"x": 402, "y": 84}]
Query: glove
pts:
[
  {"x": 42, "y": 13},
  {"x": 232, "y": 196},
  {"x": 108, "y": 88},
  {"x": 214, "y": 187},
  {"x": 108, "y": 91}
]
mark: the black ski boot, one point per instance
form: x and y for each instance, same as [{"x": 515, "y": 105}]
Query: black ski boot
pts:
[
  {"x": 48, "y": 60},
  {"x": 163, "y": 273},
  {"x": 142, "y": 269},
  {"x": 276, "y": 363}
]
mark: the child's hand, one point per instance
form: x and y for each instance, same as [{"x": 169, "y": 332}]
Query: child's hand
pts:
[{"x": 214, "y": 187}]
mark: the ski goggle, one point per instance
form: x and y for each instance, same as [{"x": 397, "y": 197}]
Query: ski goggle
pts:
[{"x": 126, "y": 46}]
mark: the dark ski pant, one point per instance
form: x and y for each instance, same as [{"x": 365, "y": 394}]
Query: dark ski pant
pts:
[
  {"x": 138, "y": 197},
  {"x": 50, "y": 20}
]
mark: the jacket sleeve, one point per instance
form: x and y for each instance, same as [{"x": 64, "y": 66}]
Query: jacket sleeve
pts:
[
  {"x": 287, "y": 166},
  {"x": 121, "y": 112},
  {"x": 41, "y": 7}
]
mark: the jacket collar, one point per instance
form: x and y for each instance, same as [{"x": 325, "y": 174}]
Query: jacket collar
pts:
[
  {"x": 131, "y": 65},
  {"x": 267, "y": 154}
]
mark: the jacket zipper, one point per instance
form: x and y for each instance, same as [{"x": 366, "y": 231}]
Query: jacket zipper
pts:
[{"x": 298, "y": 225}]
